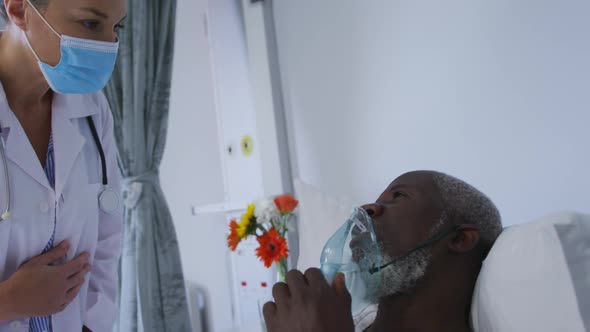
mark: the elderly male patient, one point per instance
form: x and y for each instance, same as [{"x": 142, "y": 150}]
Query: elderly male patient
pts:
[{"x": 428, "y": 288}]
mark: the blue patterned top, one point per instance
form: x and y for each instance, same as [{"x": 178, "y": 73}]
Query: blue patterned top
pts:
[{"x": 43, "y": 324}]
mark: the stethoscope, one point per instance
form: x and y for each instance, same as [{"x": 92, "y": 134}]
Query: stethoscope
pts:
[{"x": 108, "y": 199}]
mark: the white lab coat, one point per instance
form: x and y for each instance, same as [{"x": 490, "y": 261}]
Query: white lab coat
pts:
[{"x": 78, "y": 182}]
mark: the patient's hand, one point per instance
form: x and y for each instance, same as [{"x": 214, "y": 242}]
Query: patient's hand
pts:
[{"x": 308, "y": 303}]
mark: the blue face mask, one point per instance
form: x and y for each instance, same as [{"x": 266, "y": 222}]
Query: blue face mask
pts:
[{"x": 85, "y": 66}]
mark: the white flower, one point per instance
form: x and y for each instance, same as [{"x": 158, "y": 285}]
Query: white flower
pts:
[{"x": 266, "y": 210}]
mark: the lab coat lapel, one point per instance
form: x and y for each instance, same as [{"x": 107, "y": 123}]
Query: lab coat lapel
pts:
[
  {"x": 20, "y": 151},
  {"x": 18, "y": 147},
  {"x": 67, "y": 139}
]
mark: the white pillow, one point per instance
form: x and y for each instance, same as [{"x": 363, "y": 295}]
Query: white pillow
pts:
[
  {"x": 537, "y": 278},
  {"x": 319, "y": 216}
]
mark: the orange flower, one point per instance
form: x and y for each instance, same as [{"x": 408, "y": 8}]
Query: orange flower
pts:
[
  {"x": 233, "y": 239},
  {"x": 286, "y": 203},
  {"x": 273, "y": 247}
]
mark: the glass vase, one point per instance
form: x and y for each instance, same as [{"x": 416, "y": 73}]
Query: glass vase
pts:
[{"x": 282, "y": 270}]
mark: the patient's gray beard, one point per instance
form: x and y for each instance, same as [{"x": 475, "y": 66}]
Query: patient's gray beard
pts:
[{"x": 398, "y": 278}]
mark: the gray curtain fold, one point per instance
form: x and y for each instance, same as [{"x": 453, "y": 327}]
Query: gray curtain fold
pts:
[{"x": 153, "y": 296}]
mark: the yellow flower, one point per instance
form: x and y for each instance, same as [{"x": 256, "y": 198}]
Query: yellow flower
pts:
[
  {"x": 244, "y": 223},
  {"x": 242, "y": 228},
  {"x": 250, "y": 210}
]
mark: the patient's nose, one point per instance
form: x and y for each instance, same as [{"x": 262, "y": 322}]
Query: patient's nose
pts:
[{"x": 374, "y": 209}]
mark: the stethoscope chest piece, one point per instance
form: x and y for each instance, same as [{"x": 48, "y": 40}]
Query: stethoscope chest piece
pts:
[{"x": 108, "y": 200}]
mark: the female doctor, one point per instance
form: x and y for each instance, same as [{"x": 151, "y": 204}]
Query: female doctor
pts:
[{"x": 61, "y": 222}]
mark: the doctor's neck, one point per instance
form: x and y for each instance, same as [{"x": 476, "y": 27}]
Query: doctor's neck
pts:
[{"x": 24, "y": 85}]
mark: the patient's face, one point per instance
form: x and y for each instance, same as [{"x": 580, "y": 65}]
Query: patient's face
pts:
[
  {"x": 405, "y": 215},
  {"x": 406, "y": 212}
]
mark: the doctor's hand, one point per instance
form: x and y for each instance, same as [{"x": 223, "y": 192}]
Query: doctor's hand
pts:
[
  {"x": 39, "y": 289},
  {"x": 308, "y": 303}
]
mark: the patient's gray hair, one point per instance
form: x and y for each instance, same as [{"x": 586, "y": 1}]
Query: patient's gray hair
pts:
[{"x": 464, "y": 204}]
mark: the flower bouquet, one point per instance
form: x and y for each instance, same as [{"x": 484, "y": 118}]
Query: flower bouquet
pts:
[{"x": 268, "y": 221}]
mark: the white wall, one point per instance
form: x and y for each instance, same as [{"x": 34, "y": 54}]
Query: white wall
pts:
[
  {"x": 191, "y": 171},
  {"x": 495, "y": 92}
]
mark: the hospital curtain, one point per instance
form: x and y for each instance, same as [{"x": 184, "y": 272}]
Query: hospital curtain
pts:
[{"x": 152, "y": 296}]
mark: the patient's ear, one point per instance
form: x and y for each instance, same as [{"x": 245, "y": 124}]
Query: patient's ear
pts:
[{"x": 464, "y": 239}]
